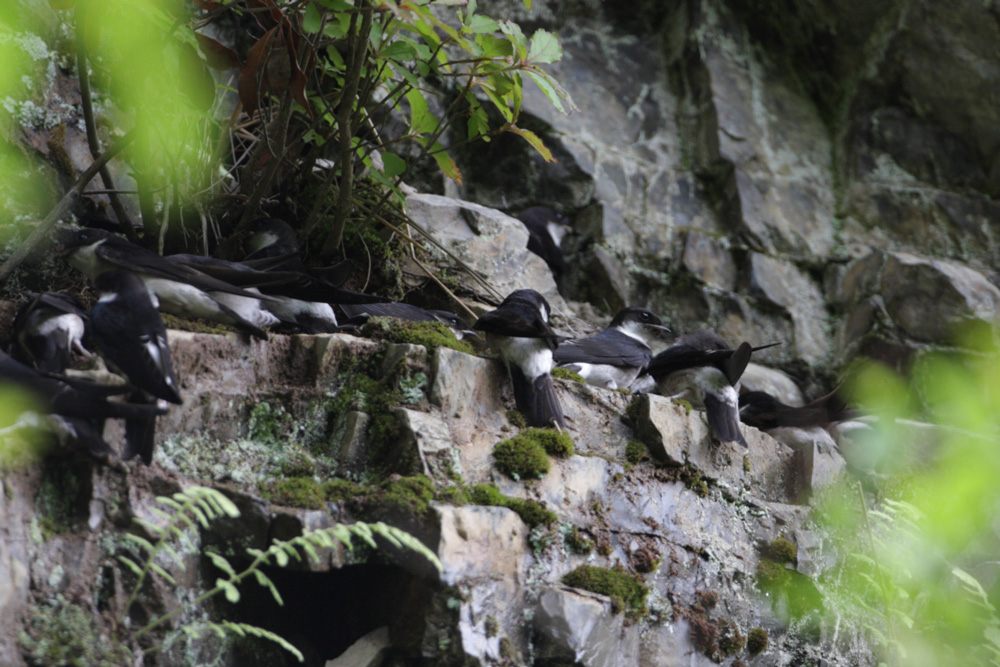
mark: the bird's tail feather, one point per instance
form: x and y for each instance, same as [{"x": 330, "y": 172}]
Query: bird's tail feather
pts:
[
  {"x": 140, "y": 432},
  {"x": 536, "y": 399},
  {"x": 724, "y": 419}
]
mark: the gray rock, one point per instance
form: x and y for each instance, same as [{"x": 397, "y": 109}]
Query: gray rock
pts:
[
  {"x": 484, "y": 551},
  {"x": 580, "y": 627},
  {"x": 784, "y": 285},
  {"x": 710, "y": 261},
  {"x": 772, "y": 381},
  {"x": 488, "y": 241},
  {"x": 366, "y": 652},
  {"x": 677, "y": 435},
  {"x": 429, "y": 436},
  {"x": 353, "y": 450},
  {"x": 817, "y": 463},
  {"x": 930, "y": 298}
]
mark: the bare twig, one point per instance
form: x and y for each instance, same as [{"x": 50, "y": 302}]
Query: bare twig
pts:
[{"x": 56, "y": 214}]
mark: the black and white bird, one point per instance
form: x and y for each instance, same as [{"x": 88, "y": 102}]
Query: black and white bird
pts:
[
  {"x": 518, "y": 329},
  {"x": 283, "y": 289},
  {"x": 701, "y": 368},
  {"x": 49, "y": 328},
  {"x": 614, "y": 357},
  {"x": 546, "y": 230},
  {"x": 405, "y": 311},
  {"x": 179, "y": 289},
  {"x": 130, "y": 334},
  {"x": 74, "y": 411}
]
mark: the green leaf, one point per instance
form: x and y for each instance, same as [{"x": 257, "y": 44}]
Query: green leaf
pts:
[
  {"x": 232, "y": 593},
  {"x": 312, "y": 20},
  {"x": 478, "y": 123},
  {"x": 517, "y": 38},
  {"x": 163, "y": 573},
  {"x": 535, "y": 141},
  {"x": 446, "y": 164},
  {"x": 394, "y": 165},
  {"x": 127, "y": 562},
  {"x": 482, "y": 24},
  {"x": 545, "y": 48},
  {"x": 281, "y": 558},
  {"x": 494, "y": 47},
  {"x": 548, "y": 86},
  {"x": 400, "y": 50},
  {"x": 422, "y": 121},
  {"x": 221, "y": 563}
]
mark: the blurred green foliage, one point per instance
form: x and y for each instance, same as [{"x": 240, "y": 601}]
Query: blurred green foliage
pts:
[{"x": 920, "y": 567}]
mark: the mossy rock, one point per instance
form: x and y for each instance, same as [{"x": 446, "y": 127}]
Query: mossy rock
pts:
[
  {"x": 521, "y": 458},
  {"x": 398, "y": 500},
  {"x": 782, "y": 551},
  {"x": 532, "y": 512},
  {"x": 771, "y": 574},
  {"x": 577, "y": 543},
  {"x": 626, "y": 591},
  {"x": 302, "y": 492},
  {"x": 757, "y": 641},
  {"x": 634, "y": 451},
  {"x": 431, "y": 335},
  {"x": 565, "y": 374}
]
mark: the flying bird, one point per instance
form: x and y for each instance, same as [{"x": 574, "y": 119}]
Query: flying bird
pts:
[
  {"x": 614, "y": 357},
  {"x": 49, "y": 328},
  {"x": 518, "y": 329}
]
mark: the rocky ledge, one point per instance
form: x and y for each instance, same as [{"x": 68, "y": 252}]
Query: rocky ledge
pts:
[{"x": 646, "y": 544}]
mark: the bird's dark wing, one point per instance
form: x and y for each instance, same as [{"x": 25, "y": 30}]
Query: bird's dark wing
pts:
[
  {"x": 734, "y": 366},
  {"x": 519, "y": 322},
  {"x": 135, "y": 259},
  {"x": 135, "y": 341},
  {"x": 610, "y": 347},
  {"x": 679, "y": 357}
]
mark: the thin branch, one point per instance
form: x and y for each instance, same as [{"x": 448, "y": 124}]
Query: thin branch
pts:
[
  {"x": 124, "y": 220},
  {"x": 56, "y": 214},
  {"x": 358, "y": 50}
]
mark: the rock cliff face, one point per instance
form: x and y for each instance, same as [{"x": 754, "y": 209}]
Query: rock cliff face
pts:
[{"x": 825, "y": 176}]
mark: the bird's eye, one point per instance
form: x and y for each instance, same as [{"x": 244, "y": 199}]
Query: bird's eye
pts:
[{"x": 645, "y": 316}]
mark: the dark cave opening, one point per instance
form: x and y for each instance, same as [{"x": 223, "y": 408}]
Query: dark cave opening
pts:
[{"x": 324, "y": 613}]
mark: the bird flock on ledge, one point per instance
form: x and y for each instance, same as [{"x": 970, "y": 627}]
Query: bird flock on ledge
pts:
[{"x": 273, "y": 289}]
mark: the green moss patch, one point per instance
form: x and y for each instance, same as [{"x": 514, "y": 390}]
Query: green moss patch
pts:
[
  {"x": 521, "y": 458},
  {"x": 398, "y": 500},
  {"x": 532, "y": 512},
  {"x": 565, "y": 374},
  {"x": 67, "y": 634},
  {"x": 626, "y": 591},
  {"x": 757, "y": 641},
  {"x": 294, "y": 492},
  {"x": 771, "y": 574},
  {"x": 516, "y": 419},
  {"x": 634, "y": 451},
  {"x": 577, "y": 543},
  {"x": 782, "y": 551},
  {"x": 195, "y": 326},
  {"x": 431, "y": 335}
]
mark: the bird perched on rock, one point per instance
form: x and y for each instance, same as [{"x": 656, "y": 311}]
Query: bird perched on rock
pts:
[
  {"x": 761, "y": 410},
  {"x": 546, "y": 230},
  {"x": 519, "y": 331},
  {"x": 703, "y": 369},
  {"x": 130, "y": 334},
  {"x": 179, "y": 289},
  {"x": 49, "y": 328},
  {"x": 614, "y": 357},
  {"x": 76, "y": 411}
]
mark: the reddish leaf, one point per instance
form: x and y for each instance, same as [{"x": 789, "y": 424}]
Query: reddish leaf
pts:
[
  {"x": 267, "y": 19},
  {"x": 208, "y": 5},
  {"x": 298, "y": 78},
  {"x": 251, "y": 74},
  {"x": 216, "y": 55}
]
